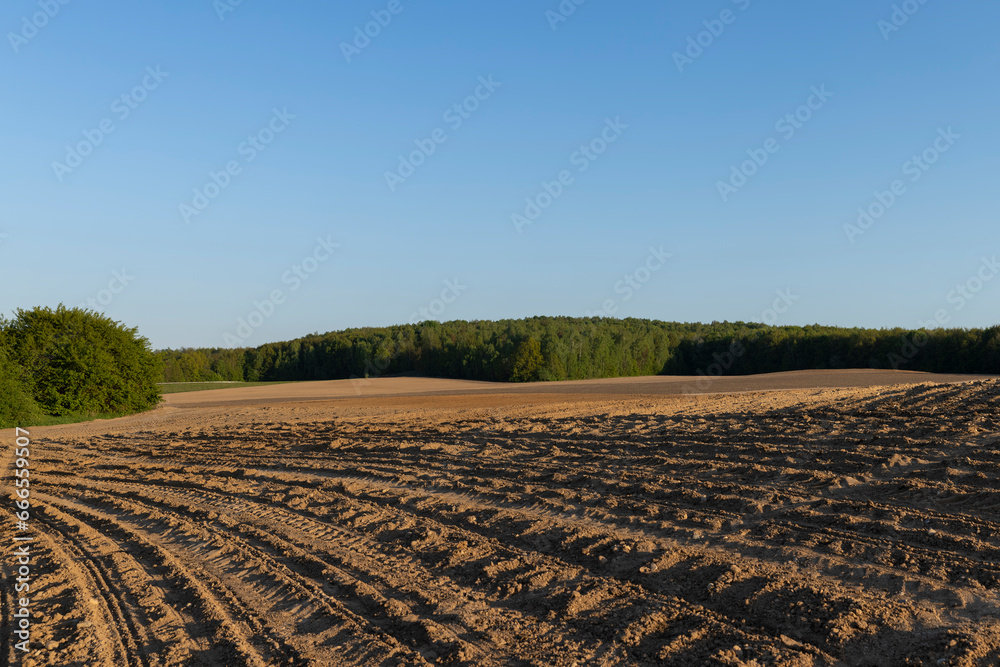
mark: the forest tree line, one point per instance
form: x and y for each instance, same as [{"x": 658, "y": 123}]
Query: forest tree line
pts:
[{"x": 564, "y": 348}]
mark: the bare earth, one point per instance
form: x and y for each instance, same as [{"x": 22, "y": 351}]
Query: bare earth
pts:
[{"x": 841, "y": 517}]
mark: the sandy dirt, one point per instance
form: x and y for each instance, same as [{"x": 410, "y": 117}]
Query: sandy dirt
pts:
[{"x": 835, "y": 518}]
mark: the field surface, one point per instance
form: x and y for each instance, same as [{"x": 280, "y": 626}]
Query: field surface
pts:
[
  {"x": 831, "y": 518},
  {"x": 179, "y": 387}
]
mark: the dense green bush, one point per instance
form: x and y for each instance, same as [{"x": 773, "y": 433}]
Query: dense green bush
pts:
[
  {"x": 76, "y": 361},
  {"x": 17, "y": 408}
]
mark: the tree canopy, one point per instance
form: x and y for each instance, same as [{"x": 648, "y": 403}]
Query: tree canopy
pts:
[
  {"x": 17, "y": 407},
  {"x": 565, "y": 348},
  {"x": 76, "y": 361}
]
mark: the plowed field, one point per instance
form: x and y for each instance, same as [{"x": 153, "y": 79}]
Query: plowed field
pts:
[{"x": 605, "y": 523}]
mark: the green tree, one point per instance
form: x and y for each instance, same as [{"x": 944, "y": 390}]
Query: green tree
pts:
[
  {"x": 17, "y": 407},
  {"x": 527, "y": 361},
  {"x": 78, "y": 361},
  {"x": 553, "y": 367}
]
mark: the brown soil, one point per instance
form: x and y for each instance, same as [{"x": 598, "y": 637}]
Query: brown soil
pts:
[{"x": 791, "y": 519}]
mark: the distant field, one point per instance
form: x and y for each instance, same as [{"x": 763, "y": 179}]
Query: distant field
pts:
[{"x": 178, "y": 387}]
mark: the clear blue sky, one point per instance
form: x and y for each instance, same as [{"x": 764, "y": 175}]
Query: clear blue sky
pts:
[{"x": 323, "y": 175}]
